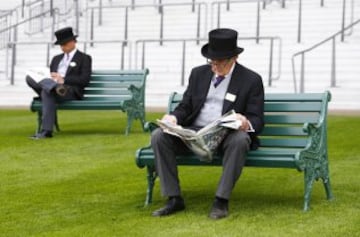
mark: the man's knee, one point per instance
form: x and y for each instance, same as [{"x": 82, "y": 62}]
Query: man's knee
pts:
[
  {"x": 238, "y": 140},
  {"x": 29, "y": 80},
  {"x": 157, "y": 136}
]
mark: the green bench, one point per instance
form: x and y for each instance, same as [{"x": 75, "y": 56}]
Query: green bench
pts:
[
  {"x": 122, "y": 90},
  {"x": 294, "y": 136}
]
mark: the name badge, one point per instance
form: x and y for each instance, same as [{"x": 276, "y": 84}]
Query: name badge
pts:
[{"x": 230, "y": 97}]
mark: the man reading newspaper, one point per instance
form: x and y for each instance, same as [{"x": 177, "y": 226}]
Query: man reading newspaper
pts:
[
  {"x": 213, "y": 90},
  {"x": 205, "y": 141}
]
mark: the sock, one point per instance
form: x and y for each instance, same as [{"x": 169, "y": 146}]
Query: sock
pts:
[{"x": 222, "y": 200}]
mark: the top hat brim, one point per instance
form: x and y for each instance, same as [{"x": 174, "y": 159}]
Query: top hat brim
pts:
[
  {"x": 208, "y": 53},
  {"x": 64, "y": 41}
]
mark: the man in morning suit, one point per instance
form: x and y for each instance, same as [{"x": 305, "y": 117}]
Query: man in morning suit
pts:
[
  {"x": 213, "y": 89},
  {"x": 70, "y": 73}
]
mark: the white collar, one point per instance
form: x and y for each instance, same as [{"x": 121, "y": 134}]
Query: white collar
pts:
[{"x": 71, "y": 54}]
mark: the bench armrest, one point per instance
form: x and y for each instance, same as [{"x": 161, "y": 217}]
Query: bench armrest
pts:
[
  {"x": 316, "y": 148},
  {"x": 150, "y": 126}
]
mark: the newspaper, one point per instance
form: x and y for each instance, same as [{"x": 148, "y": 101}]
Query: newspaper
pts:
[
  {"x": 205, "y": 141},
  {"x": 38, "y": 73}
]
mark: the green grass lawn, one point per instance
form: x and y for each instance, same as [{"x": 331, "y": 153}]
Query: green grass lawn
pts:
[{"x": 84, "y": 182}]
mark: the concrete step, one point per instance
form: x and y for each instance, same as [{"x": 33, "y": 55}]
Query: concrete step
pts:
[{"x": 164, "y": 61}]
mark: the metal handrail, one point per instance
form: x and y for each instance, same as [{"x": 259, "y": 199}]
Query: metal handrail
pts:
[
  {"x": 271, "y": 39},
  {"x": 322, "y": 4},
  {"x": 333, "y": 60},
  {"x": 299, "y": 27},
  {"x": 14, "y": 27},
  {"x": 49, "y": 44},
  {"x": 8, "y": 18},
  {"x": 227, "y": 2},
  {"x": 133, "y": 4},
  {"x": 161, "y": 12},
  {"x": 25, "y": 21}
]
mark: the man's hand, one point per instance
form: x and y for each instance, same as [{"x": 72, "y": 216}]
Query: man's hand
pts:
[
  {"x": 57, "y": 78},
  {"x": 244, "y": 122},
  {"x": 169, "y": 118}
]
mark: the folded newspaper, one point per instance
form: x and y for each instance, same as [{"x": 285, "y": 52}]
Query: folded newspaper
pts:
[
  {"x": 205, "y": 141},
  {"x": 38, "y": 73}
]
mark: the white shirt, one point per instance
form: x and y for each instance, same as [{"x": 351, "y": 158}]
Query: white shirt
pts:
[
  {"x": 212, "y": 108},
  {"x": 65, "y": 62}
]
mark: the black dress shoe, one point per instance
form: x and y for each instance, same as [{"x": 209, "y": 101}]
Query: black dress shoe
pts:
[
  {"x": 61, "y": 90},
  {"x": 219, "y": 210},
  {"x": 42, "y": 135},
  {"x": 173, "y": 205}
]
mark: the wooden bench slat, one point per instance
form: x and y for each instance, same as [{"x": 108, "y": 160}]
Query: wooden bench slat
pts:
[
  {"x": 283, "y": 159},
  {"x": 107, "y": 92},
  {"x": 116, "y": 78},
  {"x": 292, "y": 107},
  {"x": 290, "y": 97},
  {"x": 290, "y": 119},
  {"x": 278, "y": 97},
  {"x": 90, "y": 107},
  {"x": 102, "y": 84},
  {"x": 119, "y": 72},
  {"x": 283, "y": 131},
  {"x": 94, "y": 98},
  {"x": 95, "y": 102},
  {"x": 283, "y": 142}
]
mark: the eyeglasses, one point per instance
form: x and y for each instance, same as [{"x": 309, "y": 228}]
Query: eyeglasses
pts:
[{"x": 218, "y": 63}]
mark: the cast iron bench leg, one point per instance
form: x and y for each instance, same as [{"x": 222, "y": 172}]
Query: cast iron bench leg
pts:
[{"x": 151, "y": 176}]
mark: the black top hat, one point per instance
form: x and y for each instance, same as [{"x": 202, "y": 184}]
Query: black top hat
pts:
[
  {"x": 64, "y": 35},
  {"x": 222, "y": 44}
]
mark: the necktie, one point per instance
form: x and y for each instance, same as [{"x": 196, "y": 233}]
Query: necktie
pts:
[{"x": 218, "y": 79}]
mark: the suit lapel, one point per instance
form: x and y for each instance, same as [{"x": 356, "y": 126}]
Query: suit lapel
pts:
[
  {"x": 233, "y": 88},
  {"x": 202, "y": 88},
  {"x": 75, "y": 60},
  {"x": 205, "y": 85},
  {"x": 56, "y": 61}
]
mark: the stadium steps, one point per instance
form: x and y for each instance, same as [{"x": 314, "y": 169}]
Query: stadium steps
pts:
[{"x": 164, "y": 61}]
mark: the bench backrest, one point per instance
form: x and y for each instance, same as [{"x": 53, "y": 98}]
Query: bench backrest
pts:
[
  {"x": 286, "y": 117},
  {"x": 121, "y": 84}
]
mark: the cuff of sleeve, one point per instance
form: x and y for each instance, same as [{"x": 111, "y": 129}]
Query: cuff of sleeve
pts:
[{"x": 251, "y": 129}]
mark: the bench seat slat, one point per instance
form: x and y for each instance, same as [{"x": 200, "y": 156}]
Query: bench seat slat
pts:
[
  {"x": 292, "y": 107},
  {"x": 107, "y": 92},
  {"x": 282, "y": 131},
  {"x": 111, "y": 102},
  {"x": 90, "y": 107},
  {"x": 119, "y": 72},
  {"x": 255, "y": 158},
  {"x": 294, "y": 97},
  {"x": 98, "y": 105},
  {"x": 290, "y": 119},
  {"x": 279, "y": 97},
  {"x": 95, "y": 103},
  {"x": 119, "y": 78},
  {"x": 283, "y": 142},
  {"x": 110, "y": 85},
  {"x": 100, "y": 98}
]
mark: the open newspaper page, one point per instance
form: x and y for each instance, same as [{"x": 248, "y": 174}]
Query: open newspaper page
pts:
[
  {"x": 205, "y": 141},
  {"x": 38, "y": 73}
]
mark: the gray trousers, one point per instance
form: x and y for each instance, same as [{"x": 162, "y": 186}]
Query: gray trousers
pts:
[
  {"x": 234, "y": 149},
  {"x": 49, "y": 100}
]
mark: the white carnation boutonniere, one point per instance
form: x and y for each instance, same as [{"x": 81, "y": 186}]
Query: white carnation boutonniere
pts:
[{"x": 72, "y": 64}]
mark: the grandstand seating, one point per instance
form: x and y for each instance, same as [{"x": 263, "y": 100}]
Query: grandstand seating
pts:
[{"x": 164, "y": 61}]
